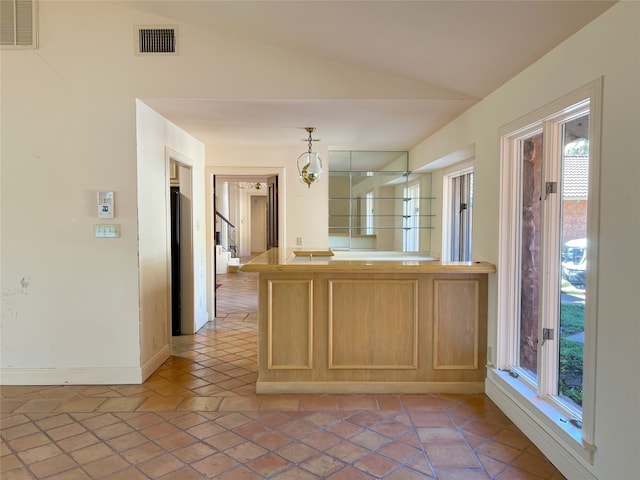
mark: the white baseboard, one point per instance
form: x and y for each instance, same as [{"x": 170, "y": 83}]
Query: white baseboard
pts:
[
  {"x": 70, "y": 376},
  {"x": 553, "y": 448},
  {"x": 263, "y": 387},
  {"x": 154, "y": 363}
]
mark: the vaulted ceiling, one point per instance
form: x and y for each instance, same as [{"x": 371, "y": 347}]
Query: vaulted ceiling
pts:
[{"x": 460, "y": 51}]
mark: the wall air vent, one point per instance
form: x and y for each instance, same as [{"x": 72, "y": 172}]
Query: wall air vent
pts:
[
  {"x": 18, "y": 23},
  {"x": 156, "y": 39}
]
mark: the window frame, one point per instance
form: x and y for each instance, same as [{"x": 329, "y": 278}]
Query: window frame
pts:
[
  {"x": 447, "y": 210},
  {"x": 549, "y": 120}
]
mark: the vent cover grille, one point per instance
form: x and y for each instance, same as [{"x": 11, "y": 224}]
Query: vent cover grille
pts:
[
  {"x": 156, "y": 40},
  {"x": 17, "y": 20}
]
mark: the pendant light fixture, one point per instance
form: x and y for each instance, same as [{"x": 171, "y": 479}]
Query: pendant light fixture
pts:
[{"x": 309, "y": 163}]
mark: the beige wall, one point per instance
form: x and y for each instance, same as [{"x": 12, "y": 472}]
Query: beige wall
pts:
[
  {"x": 609, "y": 46},
  {"x": 80, "y": 309}
]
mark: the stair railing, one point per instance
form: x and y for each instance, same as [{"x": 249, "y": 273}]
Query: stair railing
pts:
[{"x": 224, "y": 234}]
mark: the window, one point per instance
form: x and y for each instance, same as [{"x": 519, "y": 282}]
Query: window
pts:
[
  {"x": 368, "y": 215},
  {"x": 548, "y": 234},
  {"x": 411, "y": 216},
  {"x": 457, "y": 214}
]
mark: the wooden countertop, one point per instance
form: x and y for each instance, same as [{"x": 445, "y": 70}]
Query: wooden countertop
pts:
[{"x": 271, "y": 261}]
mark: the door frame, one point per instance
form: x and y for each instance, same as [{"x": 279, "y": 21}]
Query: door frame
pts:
[
  {"x": 210, "y": 172},
  {"x": 187, "y": 284}
]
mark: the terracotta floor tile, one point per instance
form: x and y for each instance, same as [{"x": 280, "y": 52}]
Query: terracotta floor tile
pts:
[
  {"x": 375, "y": 465},
  {"x": 215, "y": 465},
  {"x": 123, "y": 404},
  {"x": 439, "y": 435},
  {"x": 8, "y": 405},
  {"x": 79, "y": 441},
  {"x": 238, "y": 404},
  {"x": 347, "y": 452},
  {"x": 398, "y": 451},
  {"x": 512, "y": 438},
  {"x": 370, "y": 440},
  {"x": 461, "y": 474},
  {"x": 318, "y": 402},
  {"x": 91, "y": 453},
  {"x": 357, "y": 403},
  {"x": 142, "y": 420},
  {"x": 38, "y": 454},
  {"x": 198, "y": 417},
  {"x": 224, "y": 440},
  {"x": 431, "y": 419},
  {"x": 80, "y": 405},
  {"x": 9, "y": 421},
  {"x": 406, "y": 473},
  {"x": 155, "y": 404},
  {"x": 349, "y": 473},
  {"x": 534, "y": 464},
  {"x": 499, "y": 451},
  {"x": 10, "y": 462},
  {"x": 453, "y": 455},
  {"x": 297, "y": 452},
  {"x": 389, "y": 402},
  {"x": 492, "y": 466},
  {"x": 129, "y": 473},
  {"x": 74, "y": 474},
  {"x": 41, "y": 405},
  {"x": 294, "y": 474},
  {"x": 105, "y": 466},
  {"x": 18, "y": 474},
  {"x": 345, "y": 429},
  {"x": 99, "y": 421},
  {"x": 142, "y": 453},
  {"x": 321, "y": 441},
  {"x": 160, "y": 465},
  {"x": 128, "y": 441},
  {"x": 193, "y": 453},
  {"x": 268, "y": 465},
  {"x": 245, "y": 452},
  {"x": 184, "y": 473},
  {"x": 160, "y": 430},
  {"x": 29, "y": 441},
  {"x": 239, "y": 473},
  {"x": 200, "y": 404},
  {"x": 52, "y": 466},
  {"x": 513, "y": 473},
  {"x": 20, "y": 431},
  {"x": 271, "y": 440},
  {"x": 176, "y": 441},
  {"x": 322, "y": 465}
]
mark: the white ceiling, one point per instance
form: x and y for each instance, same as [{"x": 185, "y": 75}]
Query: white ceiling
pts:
[{"x": 462, "y": 49}]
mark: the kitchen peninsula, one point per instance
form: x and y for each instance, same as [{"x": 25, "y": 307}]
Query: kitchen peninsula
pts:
[{"x": 333, "y": 325}]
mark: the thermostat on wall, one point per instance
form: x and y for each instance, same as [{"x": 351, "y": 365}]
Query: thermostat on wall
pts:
[{"x": 105, "y": 204}]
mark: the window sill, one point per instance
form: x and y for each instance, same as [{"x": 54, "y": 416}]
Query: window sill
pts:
[{"x": 543, "y": 414}]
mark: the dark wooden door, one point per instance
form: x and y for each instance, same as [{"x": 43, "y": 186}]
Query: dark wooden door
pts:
[{"x": 272, "y": 212}]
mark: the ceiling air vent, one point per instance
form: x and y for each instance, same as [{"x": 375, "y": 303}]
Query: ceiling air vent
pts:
[
  {"x": 152, "y": 40},
  {"x": 18, "y": 23}
]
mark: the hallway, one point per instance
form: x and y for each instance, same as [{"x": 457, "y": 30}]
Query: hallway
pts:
[{"x": 198, "y": 417}]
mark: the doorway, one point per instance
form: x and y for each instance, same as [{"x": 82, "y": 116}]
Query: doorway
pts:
[
  {"x": 245, "y": 221},
  {"x": 180, "y": 237}
]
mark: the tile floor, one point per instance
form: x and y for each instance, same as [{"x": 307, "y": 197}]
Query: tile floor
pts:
[{"x": 198, "y": 417}]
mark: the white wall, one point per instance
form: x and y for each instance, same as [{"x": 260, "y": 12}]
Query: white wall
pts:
[
  {"x": 157, "y": 141},
  {"x": 609, "y": 46}
]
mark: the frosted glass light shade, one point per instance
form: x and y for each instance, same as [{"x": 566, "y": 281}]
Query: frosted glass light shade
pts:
[{"x": 309, "y": 167}]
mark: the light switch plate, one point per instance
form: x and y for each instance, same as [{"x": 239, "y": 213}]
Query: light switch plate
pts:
[{"x": 107, "y": 231}]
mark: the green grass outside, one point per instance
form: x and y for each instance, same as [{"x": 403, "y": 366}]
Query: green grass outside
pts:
[{"x": 571, "y": 352}]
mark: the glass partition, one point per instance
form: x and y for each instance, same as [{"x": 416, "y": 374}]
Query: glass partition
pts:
[{"x": 376, "y": 203}]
